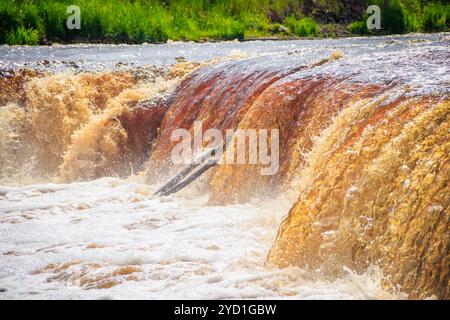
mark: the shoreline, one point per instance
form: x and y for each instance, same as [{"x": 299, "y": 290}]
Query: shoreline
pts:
[{"x": 85, "y": 41}]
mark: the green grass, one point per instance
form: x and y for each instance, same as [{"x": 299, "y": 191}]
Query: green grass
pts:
[
  {"x": 358, "y": 27},
  {"x": 436, "y": 17},
  {"x": 137, "y": 21},
  {"x": 22, "y": 36},
  {"x": 304, "y": 27},
  {"x": 403, "y": 16}
]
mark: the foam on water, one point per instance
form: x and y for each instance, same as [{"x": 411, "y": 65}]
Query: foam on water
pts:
[{"x": 110, "y": 239}]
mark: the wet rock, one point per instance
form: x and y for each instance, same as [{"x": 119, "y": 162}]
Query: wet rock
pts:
[{"x": 180, "y": 59}]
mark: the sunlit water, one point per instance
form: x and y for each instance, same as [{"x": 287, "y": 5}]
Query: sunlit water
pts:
[
  {"x": 110, "y": 238},
  {"x": 180, "y": 247}
]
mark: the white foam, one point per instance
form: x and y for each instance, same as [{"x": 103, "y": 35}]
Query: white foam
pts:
[{"x": 183, "y": 247}]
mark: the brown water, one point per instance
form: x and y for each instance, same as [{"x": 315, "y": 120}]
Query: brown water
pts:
[{"x": 364, "y": 140}]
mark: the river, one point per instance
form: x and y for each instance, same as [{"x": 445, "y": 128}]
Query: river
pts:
[{"x": 81, "y": 162}]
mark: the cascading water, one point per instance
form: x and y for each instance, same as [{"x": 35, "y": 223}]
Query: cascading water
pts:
[{"x": 362, "y": 183}]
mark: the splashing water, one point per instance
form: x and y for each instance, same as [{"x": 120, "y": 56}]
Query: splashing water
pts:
[
  {"x": 362, "y": 194},
  {"x": 109, "y": 239}
]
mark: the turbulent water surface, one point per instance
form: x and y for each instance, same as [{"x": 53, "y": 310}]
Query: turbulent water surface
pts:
[
  {"x": 359, "y": 208},
  {"x": 109, "y": 239}
]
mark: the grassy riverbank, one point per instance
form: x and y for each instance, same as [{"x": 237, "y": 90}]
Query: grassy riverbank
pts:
[{"x": 136, "y": 21}]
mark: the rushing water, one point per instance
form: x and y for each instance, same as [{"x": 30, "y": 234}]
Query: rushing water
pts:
[
  {"x": 111, "y": 231},
  {"x": 85, "y": 142}
]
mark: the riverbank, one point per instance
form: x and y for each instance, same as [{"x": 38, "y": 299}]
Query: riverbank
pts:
[{"x": 36, "y": 22}]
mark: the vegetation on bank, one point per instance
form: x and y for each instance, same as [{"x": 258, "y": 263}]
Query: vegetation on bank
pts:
[
  {"x": 403, "y": 16},
  {"x": 136, "y": 21}
]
